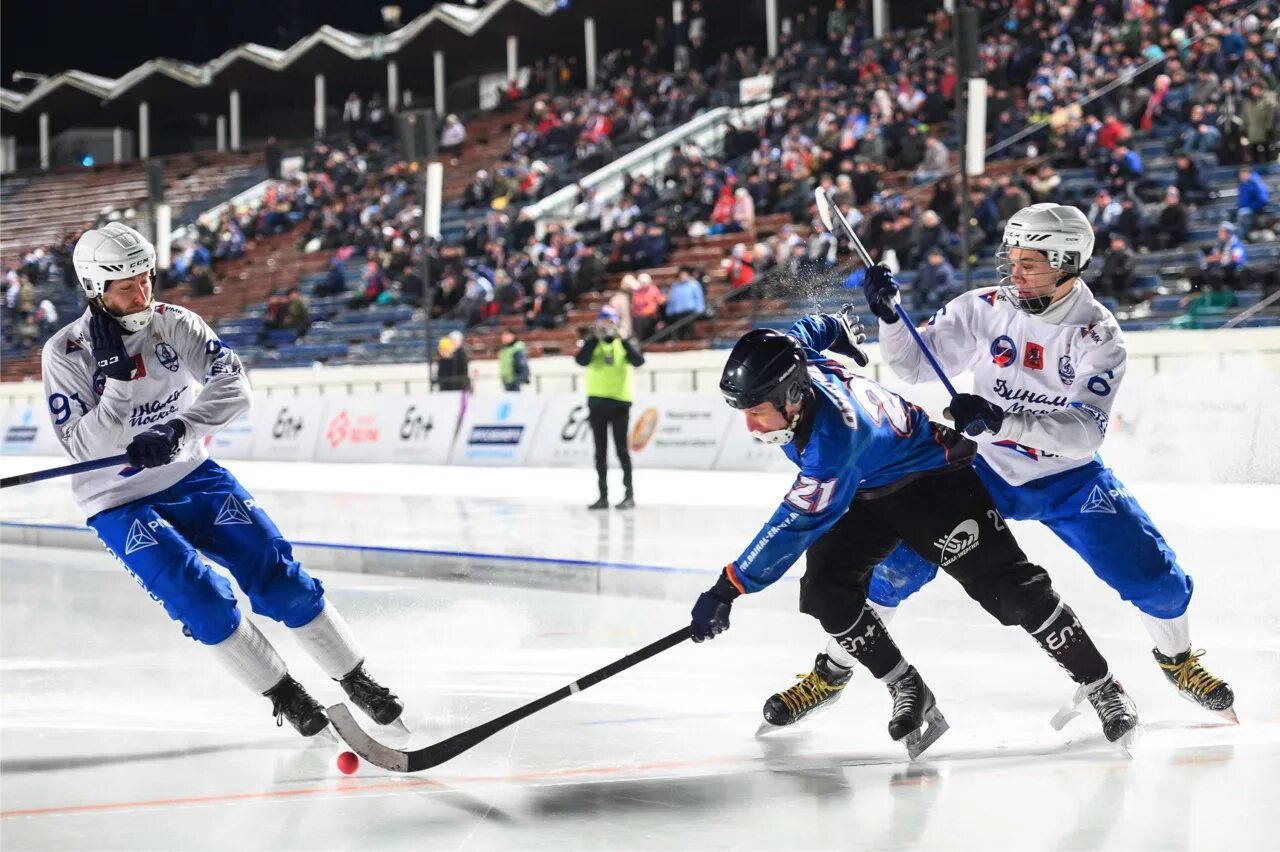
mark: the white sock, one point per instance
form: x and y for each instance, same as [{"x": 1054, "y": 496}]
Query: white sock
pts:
[
  {"x": 329, "y": 641},
  {"x": 1171, "y": 635},
  {"x": 886, "y": 613},
  {"x": 896, "y": 672},
  {"x": 249, "y": 657},
  {"x": 839, "y": 655}
]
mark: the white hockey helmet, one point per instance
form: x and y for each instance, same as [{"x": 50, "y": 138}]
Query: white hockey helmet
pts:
[
  {"x": 1061, "y": 231},
  {"x": 109, "y": 253}
]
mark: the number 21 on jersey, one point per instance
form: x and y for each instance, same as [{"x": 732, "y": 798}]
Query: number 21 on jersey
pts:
[{"x": 811, "y": 495}]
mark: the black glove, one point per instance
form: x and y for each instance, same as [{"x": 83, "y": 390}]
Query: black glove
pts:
[
  {"x": 711, "y": 612},
  {"x": 107, "y": 341},
  {"x": 852, "y": 335},
  {"x": 974, "y": 415},
  {"x": 880, "y": 289},
  {"x": 156, "y": 446}
]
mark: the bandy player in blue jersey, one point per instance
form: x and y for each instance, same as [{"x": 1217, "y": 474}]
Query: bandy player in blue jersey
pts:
[
  {"x": 153, "y": 379},
  {"x": 874, "y": 472},
  {"x": 1047, "y": 362}
]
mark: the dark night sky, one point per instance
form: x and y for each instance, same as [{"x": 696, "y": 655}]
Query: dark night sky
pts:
[{"x": 110, "y": 38}]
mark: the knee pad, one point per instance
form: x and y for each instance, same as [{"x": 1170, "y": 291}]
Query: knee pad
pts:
[
  {"x": 282, "y": 590},
  {"x": 903, "y": 573},
  {"x": 203, "y": 603},
  {"x": 1023, "y": 597}
]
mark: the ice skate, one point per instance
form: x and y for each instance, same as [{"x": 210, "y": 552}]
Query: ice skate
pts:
[
  {"x": 1116, "y": 711},
  {"x": 916, "y": 721},
  {"x": 375, "y": 700},
  {"x": 816, "y": 691},
  {"x": 1196, "y": 685},
  {"x": 291, "y": 702}
]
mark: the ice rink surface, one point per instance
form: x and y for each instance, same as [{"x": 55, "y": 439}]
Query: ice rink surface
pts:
[{"x": 118, "y": 733}]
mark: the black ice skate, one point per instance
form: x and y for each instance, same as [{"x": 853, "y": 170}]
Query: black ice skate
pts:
[
  {"x": 816, "y": 690},
  {"x": 375, "y": 700},
  {"x": 1196, "y": 685},
  {"x": 628, "y": 502},
  {"x": 290, "y": 701},
  {"x": 913, "y": 707},
  {"x": 1116, "y": 711}
]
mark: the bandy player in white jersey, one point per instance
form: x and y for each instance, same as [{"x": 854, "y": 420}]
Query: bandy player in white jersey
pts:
[
  {"x": 154, "y": 379},
  {"x": 1047, "y": 362}
]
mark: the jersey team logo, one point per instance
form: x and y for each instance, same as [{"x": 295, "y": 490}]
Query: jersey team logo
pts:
[
  {"x": 138, "y": 538},
  {"x": 1098, "y": 503},
  {"x": 1003, "y": 351},
  {"x": 958, "y": 542},
  {"x": 1066, "y": 372},
  {"x": 232, "y": 512},
  {"x": 167, "y": 357}
]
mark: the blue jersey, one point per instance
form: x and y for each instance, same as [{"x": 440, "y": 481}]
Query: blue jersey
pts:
[{"x": 859, "y": 438}]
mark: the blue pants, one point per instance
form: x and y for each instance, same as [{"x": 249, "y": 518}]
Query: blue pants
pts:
[
  {"x": 157, "y": 539},
  {"x": 1090, "y": 510}
]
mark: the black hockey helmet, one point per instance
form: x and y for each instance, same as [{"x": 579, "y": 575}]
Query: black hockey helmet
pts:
[{"x": 765, "y": 366}]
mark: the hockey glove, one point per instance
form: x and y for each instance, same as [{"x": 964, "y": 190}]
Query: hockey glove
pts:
[
  {"x": 852, "y": 335},
  {"x": 711, "y": 612},
  {"x": 881, "y": 292},
  {"x": 158, "y": 445},
  {"x": 974, "y": 415},
  {"x": 106, "y": 339}
]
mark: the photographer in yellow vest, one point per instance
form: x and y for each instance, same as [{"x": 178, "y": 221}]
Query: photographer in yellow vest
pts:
[{"x": 609, "y": 358}]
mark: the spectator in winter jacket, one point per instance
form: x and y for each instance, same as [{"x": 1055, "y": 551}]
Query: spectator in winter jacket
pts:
[
  {"x": 1252, "y": 200},
  {"x": 1117, "y": 270},
  {"x": 1190, "y": 183},
  {"x": 453, "y": 369},
  {"x": 1222, "y": 265},
  {"x": 685, "y": 299},
  {"x": 936, "y": 280},
  {"x": 1170, "y": 228},
  {"x": 646, "y": 304}
]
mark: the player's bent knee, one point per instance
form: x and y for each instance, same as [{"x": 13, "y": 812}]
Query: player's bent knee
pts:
[
  {"x": 284, "y": 592},
  {"x": 834, "y": 609},
  {"x": 1166, "y": 597},
  {"x": 1025, "y": 598},
  {"x": 899, "y": 577},
  {"x": 205, "y": 604}
]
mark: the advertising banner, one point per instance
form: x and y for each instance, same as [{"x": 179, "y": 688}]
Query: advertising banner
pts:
[
  {"x": 235, "y": 440},
  {"x": 497, "y": 429},
  {"x": 286, "y": 429},
  {"x": 563, "y": 436},
  {"x": 28, "y": 431},
  {"x": 388, "y": 429},
  {"x": 677, "y": 430}
]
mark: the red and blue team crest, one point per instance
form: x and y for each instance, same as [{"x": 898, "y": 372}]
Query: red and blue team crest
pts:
[
  {"x": 73, "y": 345},
  {"x": 990, "y": 297},
  {"x": 1033, "y": 357},
  {"x": 1003, "y": 351}
]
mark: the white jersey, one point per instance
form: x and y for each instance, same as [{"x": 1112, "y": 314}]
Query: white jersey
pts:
[
  {"x": 1056, "y": 374},
  {"x": 181, "y": 370}
]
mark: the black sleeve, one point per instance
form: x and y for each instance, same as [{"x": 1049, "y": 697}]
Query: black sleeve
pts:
[
  {"x": 633, "y": 352},
  {"x": 583, "y": 356}
]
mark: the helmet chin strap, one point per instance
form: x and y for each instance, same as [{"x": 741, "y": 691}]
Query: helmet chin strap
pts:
[
  {"x": 135, "y": 321},
  {"x": 780, "y": 437}
]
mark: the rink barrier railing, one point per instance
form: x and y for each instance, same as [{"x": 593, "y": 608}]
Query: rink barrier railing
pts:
[
  {"x": 508, "y": 569},
  {"x": 1229, "y": 414}
]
